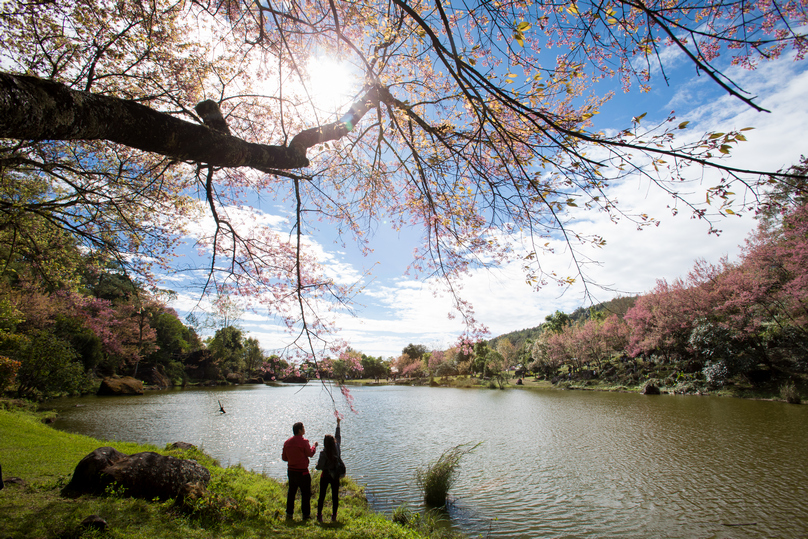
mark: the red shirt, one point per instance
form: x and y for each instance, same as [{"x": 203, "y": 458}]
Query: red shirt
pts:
[{"x": 296, "y": 452}]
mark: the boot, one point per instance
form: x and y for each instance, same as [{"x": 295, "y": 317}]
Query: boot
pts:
[
  {"x": 319, "y": 517},
  {"x": 334, "y": 517}
]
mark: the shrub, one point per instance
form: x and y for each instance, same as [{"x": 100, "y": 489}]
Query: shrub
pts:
[
  {"x": 716, "y": 373},
  {"x": 437, "y": 478},
  {"x": 789, "y": 393},
  {"x": 49, "y": 368},
  {"x": 8, "y": 371}
]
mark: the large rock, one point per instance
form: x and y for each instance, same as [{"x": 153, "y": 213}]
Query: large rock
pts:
[
  {"x": 94, "y": 522},
  {"x": 184, "y": 446},
  {"x": 155, "y": 377},
  {"x": 121, "y": 386},
  {"x": 88, "y": 476},
  {"x": 650, "y": 389},
  {"x": 143, "y": 475}
]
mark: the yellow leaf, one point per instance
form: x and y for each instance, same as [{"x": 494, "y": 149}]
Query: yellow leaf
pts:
[{"x": 573, "y": 9}]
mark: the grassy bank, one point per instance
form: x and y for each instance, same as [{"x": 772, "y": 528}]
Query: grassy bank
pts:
[{"x": 239, "y": 503}]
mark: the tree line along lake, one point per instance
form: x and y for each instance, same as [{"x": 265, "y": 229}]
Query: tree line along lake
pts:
[{"x": 551, "y": 463}]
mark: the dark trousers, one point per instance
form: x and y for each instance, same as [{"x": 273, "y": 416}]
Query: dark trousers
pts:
[
  {"x": 325, "y": 481},
  {"x": 302, "y": 481}
]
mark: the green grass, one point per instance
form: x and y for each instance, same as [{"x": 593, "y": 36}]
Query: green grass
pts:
[{"x": 239, "y": 503}]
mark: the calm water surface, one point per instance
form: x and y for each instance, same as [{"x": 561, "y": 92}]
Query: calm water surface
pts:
[{"x": 552, "y": 463}]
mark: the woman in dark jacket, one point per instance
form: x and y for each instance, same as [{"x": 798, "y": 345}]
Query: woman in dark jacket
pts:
[{"x": 330, "y": 463}]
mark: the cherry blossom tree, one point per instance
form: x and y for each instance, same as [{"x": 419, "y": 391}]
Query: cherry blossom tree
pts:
[
  {"x": 662, "y": 320},
  {"x": 353, "y": 362},
  {"x": 408, "y": 366},
  {"x": 470, "y": 121}
]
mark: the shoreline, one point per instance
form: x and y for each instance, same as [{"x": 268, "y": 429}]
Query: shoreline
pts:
[
  {"x": 237, "y": 503},
  {"x": 731, "y": 390}
]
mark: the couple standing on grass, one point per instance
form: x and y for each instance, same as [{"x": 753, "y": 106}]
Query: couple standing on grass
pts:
[{"x": 296, "y": 452}]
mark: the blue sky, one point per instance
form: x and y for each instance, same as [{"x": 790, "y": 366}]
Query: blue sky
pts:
[{"x": 395, "y": 309}]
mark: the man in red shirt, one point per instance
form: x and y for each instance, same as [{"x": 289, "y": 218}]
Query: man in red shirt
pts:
[{"x": 296, "y": 453}]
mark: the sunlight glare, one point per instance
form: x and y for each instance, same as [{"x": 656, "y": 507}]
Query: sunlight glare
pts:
[{"x": 331, "y": 84}]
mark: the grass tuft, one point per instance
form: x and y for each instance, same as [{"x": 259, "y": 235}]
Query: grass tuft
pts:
[
  {"x": 432, "y": 523},
  {"x": 790, "y": 394},
  {"x": 436, "y": 478}
]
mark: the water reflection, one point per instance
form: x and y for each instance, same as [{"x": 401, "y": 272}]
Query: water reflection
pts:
[{"x": 553, "y": 464}]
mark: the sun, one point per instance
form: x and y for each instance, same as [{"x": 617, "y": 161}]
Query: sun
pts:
[{"x": 331, "y": 84}]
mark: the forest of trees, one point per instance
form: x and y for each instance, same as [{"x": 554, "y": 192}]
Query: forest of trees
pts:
[
  {"x": 745, "y": 319},
  {"x": 68, "y": 319}
]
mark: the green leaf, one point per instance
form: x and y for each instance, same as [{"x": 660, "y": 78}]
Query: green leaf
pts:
[
  {"x": 683, "y": 125},
  {"x": 523, "y": 26}
]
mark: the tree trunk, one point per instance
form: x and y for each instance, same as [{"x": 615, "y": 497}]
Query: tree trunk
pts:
[{"x": 37, "y": 109}]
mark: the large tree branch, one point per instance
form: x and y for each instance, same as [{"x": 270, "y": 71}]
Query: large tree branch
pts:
[
  {"x": 37, "y": 109},
  {"x": 340, "y": 128}
]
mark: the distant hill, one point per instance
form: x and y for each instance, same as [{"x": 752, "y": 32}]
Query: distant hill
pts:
[{"x": 618, "y": 306}]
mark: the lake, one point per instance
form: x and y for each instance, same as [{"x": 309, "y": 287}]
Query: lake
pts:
[{"x": 551, "y": 463}]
